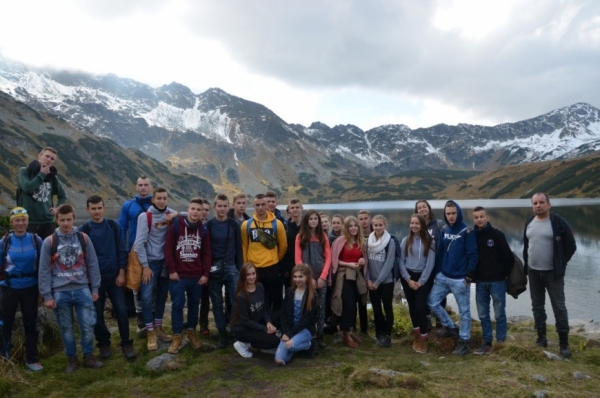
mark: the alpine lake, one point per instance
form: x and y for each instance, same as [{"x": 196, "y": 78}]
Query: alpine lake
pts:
[{"x": 582, "y": 280}]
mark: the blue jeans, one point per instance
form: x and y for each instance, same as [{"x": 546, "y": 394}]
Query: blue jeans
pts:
[
  {"x": 301, "y": 343},
  {"x": 116, "y": 295},
  {"x": 162, "y": 290},
  {"x": 215, "y": 288},
  {"x": 179, "y": 289},
  {"x": 442, "y": 286},
  {"x": 81, "y": 301},
  {"x": 497, "y": 292}
]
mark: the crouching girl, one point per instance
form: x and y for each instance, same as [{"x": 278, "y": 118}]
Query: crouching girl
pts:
[
  {"x": 251, "y": 323},
  {"x": 298, "y": 316}
]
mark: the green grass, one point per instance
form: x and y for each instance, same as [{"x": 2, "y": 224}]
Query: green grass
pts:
[{"x": 336, "y": 371}]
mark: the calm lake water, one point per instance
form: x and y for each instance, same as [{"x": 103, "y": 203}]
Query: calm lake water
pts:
[
  {"x": 582, "y": 280},
  {"x": 582, "y": 287}
]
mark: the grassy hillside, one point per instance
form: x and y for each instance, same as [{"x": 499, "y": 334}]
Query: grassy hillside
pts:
[
  {"x": 559, "y": 178},
  {"x": 86, "y": 164}
]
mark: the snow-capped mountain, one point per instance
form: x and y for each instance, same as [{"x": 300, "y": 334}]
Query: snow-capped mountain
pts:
[{"x": 231, "y": 140}]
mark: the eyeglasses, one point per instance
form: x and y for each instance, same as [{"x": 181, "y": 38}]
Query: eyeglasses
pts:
[{"x": 17, "y": 212}]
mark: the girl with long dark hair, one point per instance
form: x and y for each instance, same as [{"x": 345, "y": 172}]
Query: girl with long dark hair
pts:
[
  {"x": 312, "y": 248},
  {"x": 417, "y": 260}
]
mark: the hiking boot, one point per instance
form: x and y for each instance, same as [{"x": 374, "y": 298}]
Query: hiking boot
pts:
[
  {"x": 89, "y": 361},
  {"x": 152, "y": 341},
  {"x": 447, "y": 332},
  {"x": 73, "y": 365},
  {"x": 243, "y": 349},
  {"x": 422, "y": 345},
  {"x": 348, "y": 340},
  {"x": 160, "y": 334},
  {"x": 222, "y": 340},
  {"x": 193, "y": 339},
  {"x": 310, "y": 353},
  {"x": 384, "y": 341},
  {"x": 320, "y": 340},
  {"x": 541, "y": 339},
  {"x": 175, "y": 344},
  {"x": 34, "y": 367},
  {"x": 485, "y": 349},
  {"x": 204, "y": 329},
  {"x": 128, "y": 352},
  {"x": 354, "y": 337},
  {"x": 105, "y": 352},
  {"x": 564, "y": 345},
  {"x": 462, "y": 348}
]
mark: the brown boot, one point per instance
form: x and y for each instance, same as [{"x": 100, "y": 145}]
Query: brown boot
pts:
[
  {"x": 421, "y": 344},
  {"x": 160, "y": 333},
  {"x": 354, "y": 337},
  {"x": 193, "y": 339},
  {"x": 347, "y": 339},
  {"x": 175, "y": 344},
  {"x": 152, "y": 341}
]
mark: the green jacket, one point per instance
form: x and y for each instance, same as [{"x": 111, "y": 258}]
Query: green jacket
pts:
[{"x": 37, "y": 196}]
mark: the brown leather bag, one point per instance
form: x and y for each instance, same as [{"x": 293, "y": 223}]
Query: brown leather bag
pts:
[{"x": 134, "y": 271}]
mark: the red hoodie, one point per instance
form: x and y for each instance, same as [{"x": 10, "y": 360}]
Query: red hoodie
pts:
[{"x": 190, "y": 256}]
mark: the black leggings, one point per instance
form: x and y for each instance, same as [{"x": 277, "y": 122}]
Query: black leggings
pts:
[
  {"x": 257, "y": 339},
  {"x": 350, "y": 298},
  {"x": 28, "y": 298},
  {"x": 417, "y": 301},
  {"x": 381, "y": 300}
]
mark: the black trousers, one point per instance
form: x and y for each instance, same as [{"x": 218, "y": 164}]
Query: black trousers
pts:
[
  {"x": 28, "y": 299},
  {"x": 204, "y": 307},
  {"x": 42, "y": 230},
  {"x": 382, "y": 302},
  {"x": 350, "y": 299},
  {"x": 271, "y": 281},
  {"x": 417, "y": 301},
  {"x": 258, "y": 339}
]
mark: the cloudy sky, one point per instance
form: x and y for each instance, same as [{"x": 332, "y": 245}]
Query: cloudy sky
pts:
[{"x": 357, "y": 62}]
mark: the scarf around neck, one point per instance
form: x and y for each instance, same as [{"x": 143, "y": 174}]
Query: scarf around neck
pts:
[{"x": 375, "y": 245}]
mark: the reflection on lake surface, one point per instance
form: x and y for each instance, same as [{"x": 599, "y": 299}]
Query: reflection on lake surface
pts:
[{"x": 582, "y": 289}]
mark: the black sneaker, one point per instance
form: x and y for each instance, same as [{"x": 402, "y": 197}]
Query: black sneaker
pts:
[
  {"x": 105, "y": 352},
  {"x": 447, "y": 332},
  {"x": 385, "y": 341},
  {"x": 462, "y": 348},
  {"x": 129, "y": 352},
  {"x": 542, "y": 342},
  {"x": 140, "y": 321},
  {"x": 565, "y": 351},
  {"x": 485, "y": 349},
  {"x": 310, "y": 353},
  {"x": 222, "y": 340}
]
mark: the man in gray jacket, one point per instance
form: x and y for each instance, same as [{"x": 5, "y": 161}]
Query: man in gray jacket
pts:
[
  {"x": 152, "y": 227},
  {"x": 68, "y": 269}
]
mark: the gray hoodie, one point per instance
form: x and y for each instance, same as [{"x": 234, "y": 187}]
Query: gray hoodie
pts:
[
  {"x": 69, "y": 270},
  {"x": 150, "y": 245},
  {"x": 416, "y": 261}
]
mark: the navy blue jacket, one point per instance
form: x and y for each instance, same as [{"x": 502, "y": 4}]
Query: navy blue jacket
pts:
[
  {"x": 456, "y": 255},
  {"x": 109, "y": 246},
  {"x": 564, "y": 244},
  {"x": 307, "y": 320}
]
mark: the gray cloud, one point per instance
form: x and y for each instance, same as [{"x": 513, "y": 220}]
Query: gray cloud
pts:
[{"x": 547, "y": 55}]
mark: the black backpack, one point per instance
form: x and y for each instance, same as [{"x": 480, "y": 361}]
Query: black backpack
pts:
[
  {"x": 517, "y": 280},
  {"x": 396, "y": 267}
]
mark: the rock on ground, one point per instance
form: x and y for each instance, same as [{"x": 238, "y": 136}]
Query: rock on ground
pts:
[{"x": 164, "y": 362}]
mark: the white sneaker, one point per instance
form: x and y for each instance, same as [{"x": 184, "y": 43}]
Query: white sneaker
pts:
[{"x": 243, "y": 349}]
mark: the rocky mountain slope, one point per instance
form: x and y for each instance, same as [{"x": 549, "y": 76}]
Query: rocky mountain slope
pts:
[
  {"x": 87, "y": 164},
  {"x": 238, "y": 144}
]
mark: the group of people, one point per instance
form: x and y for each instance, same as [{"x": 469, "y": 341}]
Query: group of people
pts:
[{"x": 329, "y": 266}]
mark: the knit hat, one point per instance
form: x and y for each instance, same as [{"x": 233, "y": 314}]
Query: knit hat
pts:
[{"x": 18, "y": 212}]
